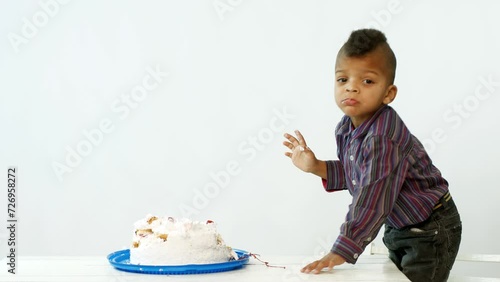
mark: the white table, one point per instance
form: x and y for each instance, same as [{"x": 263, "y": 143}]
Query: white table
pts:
[{"x": 369, "y": 268}]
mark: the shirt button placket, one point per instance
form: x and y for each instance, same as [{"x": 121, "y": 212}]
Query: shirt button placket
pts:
[{"x": 351, "y": 158}]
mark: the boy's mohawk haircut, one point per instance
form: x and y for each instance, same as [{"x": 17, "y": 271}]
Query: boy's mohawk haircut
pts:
[{"x": 363, "y": 41}]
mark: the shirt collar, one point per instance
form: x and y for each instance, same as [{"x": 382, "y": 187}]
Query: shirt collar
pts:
[{"x": 346, "y": 127}]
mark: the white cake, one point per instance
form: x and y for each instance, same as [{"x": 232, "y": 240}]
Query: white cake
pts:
[{"x": 168, "y": 241}]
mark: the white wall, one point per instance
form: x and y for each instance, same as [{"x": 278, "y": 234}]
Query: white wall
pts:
[{"x": 237, "y": 80}]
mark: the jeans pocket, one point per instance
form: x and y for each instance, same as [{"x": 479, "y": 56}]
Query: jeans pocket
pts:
[
  {"x": 418, "y": 232},
  {"x": 427, "y": 228},
  {"x": 408, "y": 237}
]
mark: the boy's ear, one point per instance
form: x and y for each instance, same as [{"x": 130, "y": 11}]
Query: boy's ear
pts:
[{"x": 392, "y": 91}]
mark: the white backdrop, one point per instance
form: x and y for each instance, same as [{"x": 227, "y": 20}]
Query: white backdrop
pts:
[{"x": 113, "y": 110}]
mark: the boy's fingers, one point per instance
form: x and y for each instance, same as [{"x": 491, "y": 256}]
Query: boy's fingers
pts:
[
  {"x": 331, "y": 265},
  {"x": 300, "y": 138},
  {"x": 292, "y": 139},
  {"x": 307, "y": 268},
  {"x": 288, "y": 144},
  {"x": 319, "y": 267},
  {"x": 313, "y": 267}
]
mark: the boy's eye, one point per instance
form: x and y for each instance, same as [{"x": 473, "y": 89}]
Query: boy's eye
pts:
[
  {"x": 341, "y": 79},
  {"x": 368, "y": 81}
]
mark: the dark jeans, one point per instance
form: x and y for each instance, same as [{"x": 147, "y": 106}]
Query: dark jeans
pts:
[{"x": 426, "y": 251}]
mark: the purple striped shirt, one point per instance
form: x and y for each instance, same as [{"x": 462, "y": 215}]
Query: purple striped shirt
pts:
[{"x": 388, "y": 173}]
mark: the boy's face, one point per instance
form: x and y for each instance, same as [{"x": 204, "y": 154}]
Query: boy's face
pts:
[{"x": 362, "y": 85}]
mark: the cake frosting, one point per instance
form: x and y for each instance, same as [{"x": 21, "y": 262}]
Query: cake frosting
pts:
[{"x": 169, "y": 241}]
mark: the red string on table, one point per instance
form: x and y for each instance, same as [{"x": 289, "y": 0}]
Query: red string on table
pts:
[{"x": 255, "y": 256}]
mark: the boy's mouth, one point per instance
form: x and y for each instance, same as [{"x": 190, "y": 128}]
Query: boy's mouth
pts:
[{"x": 349, "y": 102}]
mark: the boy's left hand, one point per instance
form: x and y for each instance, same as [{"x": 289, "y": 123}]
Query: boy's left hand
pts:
[{"x": 328, "y": 261}]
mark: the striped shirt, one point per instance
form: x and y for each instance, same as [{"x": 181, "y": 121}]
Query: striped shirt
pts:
[{"x": 388, "y": 173}]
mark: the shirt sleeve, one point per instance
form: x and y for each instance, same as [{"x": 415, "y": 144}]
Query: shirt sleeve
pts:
[
  {"x": 335, "y": 179},
  {"x": 376, "y": 187}
]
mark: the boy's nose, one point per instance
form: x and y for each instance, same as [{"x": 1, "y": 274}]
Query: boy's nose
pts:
[{"x": 351, "y": 88}]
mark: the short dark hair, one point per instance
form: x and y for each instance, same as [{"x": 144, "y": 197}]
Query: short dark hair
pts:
[{"x": 364, "y": 41}]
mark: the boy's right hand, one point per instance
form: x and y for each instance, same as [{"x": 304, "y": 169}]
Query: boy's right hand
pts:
[{"x": 302, "y": 157}]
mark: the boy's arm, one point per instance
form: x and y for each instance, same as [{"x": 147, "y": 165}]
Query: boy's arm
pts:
[
  {"x": 319, "y": 169},
  {"x": 377, "y": 187},
  {"x": 335, "y": 177},
  {"x": 331, "y": 172}
]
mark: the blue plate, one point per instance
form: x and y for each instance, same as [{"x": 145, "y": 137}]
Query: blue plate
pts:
[{"x": 121, "y": 261}]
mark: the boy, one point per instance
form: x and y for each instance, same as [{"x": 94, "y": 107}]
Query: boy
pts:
[{"x": 386, "y": 170}]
